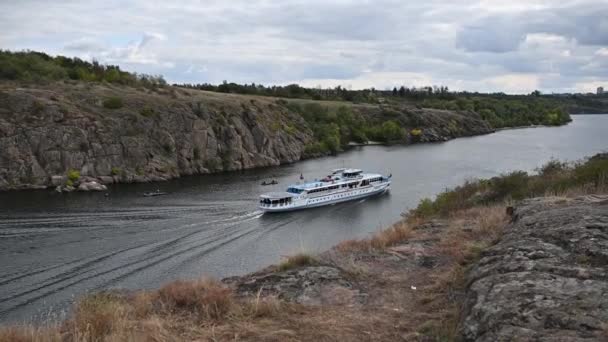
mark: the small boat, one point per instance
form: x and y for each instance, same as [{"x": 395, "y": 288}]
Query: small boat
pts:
[
  {"x": 340, "y": 186},
  {"x": 273, "y": 182},
  {"x": 155, "y": 193}
]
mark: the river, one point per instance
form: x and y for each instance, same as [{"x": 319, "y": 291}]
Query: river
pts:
[{"x": 56, "y": 247}]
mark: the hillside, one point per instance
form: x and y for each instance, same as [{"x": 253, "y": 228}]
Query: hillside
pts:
[{"x": 122, "y": 133}]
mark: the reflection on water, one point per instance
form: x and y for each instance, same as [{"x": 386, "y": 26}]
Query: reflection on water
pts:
[{"x": 54, "y": 246}]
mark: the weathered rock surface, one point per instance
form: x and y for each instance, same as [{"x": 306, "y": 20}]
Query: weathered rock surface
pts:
[
  {"x": 313, "y": 285},
  {"x": 47, "y": 130},
  {"x": 547, "y": 279}
]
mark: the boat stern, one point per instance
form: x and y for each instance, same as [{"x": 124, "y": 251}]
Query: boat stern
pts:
[{"x": 277, "y": 201}]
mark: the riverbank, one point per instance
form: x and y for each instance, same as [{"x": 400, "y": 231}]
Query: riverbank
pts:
[{"x": 418, "y": 279}]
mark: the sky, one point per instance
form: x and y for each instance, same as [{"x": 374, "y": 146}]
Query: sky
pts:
[{"x": 512, "y": 46}]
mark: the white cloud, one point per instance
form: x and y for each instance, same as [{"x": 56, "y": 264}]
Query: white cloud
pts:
[
  {"x": 478, "y": 45},
  {"x": 602, "y": 52}
]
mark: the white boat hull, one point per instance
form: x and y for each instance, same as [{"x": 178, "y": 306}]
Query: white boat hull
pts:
[{"x": 328, "y": 199}]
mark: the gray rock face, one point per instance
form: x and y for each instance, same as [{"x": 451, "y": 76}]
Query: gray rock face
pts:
[
  {"x": 48, "y": 130},
  {"x": 314, "y": 285},
  {"x": 547, "y": 279}
]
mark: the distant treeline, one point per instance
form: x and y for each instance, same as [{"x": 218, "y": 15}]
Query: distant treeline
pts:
[
  {"x": 39, "y": 67},
  {"x": 338, "y": 93},
  {"x": 499, "y": 109}
]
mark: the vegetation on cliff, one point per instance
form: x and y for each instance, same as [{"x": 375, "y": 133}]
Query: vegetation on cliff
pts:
[
  {"x": 554, "y": 178},
  {"x": 32, "y": 66},
  {"x": 498, "y": 109}
]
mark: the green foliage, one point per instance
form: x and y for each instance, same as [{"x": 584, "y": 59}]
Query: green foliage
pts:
[
  {"x": 69, "y": 182},
  {"x": 115, "y": 171},
  {"x": 73, "y": 175},
  {"x": 553, "y": 177},
  {"x": 388, "y": 131},
  {"x": 113, "y": 102},
  {"x": 38, "y": 66},
  {"x": 552, "y": 167},
  {"x": 506, "y": 111}
]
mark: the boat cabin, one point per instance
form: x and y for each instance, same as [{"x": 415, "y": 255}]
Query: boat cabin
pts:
[
  {"x": 276, "y": 199},
  {"x": 351, "y": 173}
]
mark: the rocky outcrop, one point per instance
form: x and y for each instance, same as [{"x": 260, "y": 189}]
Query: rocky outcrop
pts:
[
  {"x": 547, "y": 279},
  {"x": 313, "y": 285},
  {"x": 46, "y": 131}
]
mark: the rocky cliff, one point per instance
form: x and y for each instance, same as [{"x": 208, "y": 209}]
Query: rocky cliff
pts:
[
  {"x": 47, "y": 131},
  {"x": 124, "y": 134},
  {"x": 547, "y": 278}
]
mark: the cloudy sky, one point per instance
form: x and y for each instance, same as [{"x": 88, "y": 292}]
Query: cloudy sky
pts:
[{"x": 514, "y": 46}]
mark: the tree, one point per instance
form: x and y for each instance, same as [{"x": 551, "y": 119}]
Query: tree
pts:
[{"x": 402, "y": 91}]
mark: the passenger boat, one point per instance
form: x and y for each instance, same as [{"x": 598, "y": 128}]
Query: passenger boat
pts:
[{"x": 340, "y": 186}]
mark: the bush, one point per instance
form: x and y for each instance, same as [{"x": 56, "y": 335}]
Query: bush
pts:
[
  {"x": 113, "y": 102},
  {"x": 297, "y": 260},
  {"x": 115, "y": 171},
  {"x": 73, "y": 175},
  {"x": 416, "y": 132},
  {"x": 552, "y": 167}
]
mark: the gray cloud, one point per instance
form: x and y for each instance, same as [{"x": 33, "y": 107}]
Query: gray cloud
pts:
[{"x": 475, "y": 45}]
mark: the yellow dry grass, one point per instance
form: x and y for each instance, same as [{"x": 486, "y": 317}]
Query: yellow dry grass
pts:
[{"x": 397, "y": 233}]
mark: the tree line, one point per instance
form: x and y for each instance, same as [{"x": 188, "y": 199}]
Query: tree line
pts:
[{"x": 38, "y": 67}]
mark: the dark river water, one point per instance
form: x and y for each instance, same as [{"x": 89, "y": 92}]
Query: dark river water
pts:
[{"x": 55, "y": 247}]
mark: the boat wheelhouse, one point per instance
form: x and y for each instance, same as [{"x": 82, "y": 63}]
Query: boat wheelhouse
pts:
[{"x": 340, "y": 186}]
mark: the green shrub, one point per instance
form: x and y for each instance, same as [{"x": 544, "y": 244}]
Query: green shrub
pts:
[
  {"x": 552, "y": 167},
  {"x": 553, "y": 177},
  {"x": 113, "y": 102},
  {"x": 115, "y": 171},
  {"x": 73, "y": 175}
]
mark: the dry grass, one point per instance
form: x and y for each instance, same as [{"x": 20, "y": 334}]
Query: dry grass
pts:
[
  {"x": 29, "y": 333},
  {"x": 394, "y": 235},
  {"x": 208, "y": 299},
  {"x": 298, "y": 260}
]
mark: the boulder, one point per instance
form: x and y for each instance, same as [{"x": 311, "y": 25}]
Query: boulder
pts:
[{"x": 91, "y": 186}]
